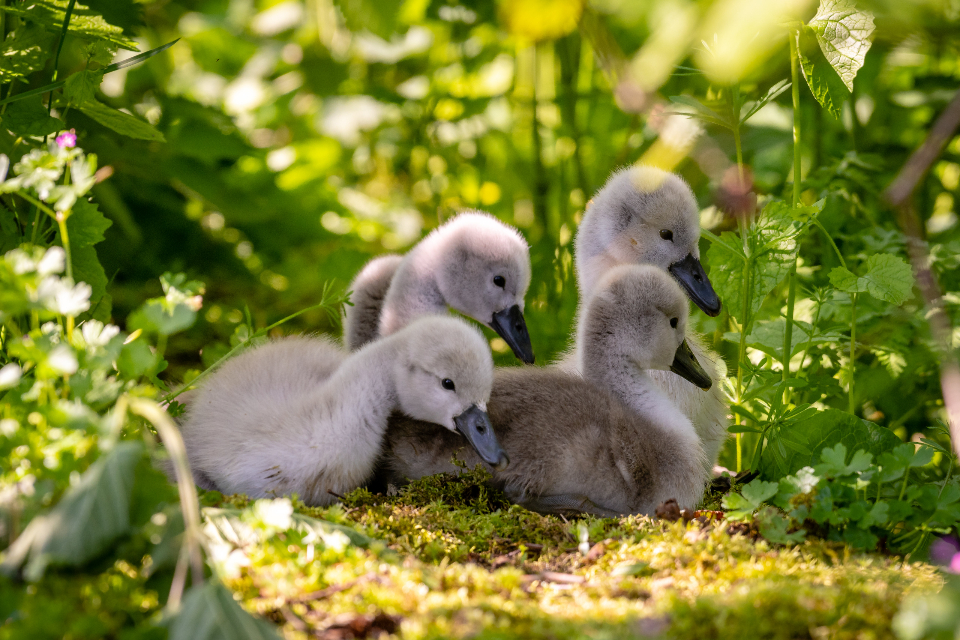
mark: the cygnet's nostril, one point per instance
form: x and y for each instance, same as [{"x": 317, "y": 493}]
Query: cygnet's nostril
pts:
[
  {"x": 481, "y": 429},
  {"x": 697, "y": 277}
]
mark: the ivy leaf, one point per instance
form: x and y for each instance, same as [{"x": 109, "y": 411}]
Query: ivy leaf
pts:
[
  {"x": 209, "y": 612},
  {"x": 843, "y": 32},
  {"x": 825, "y": 85},
  {"x": 23, "y": 52},
  {"x": 30, "y": 118},
  {"x": 91, "y": 515},
  {"x": 888, "y": 278},
  {"x": 123, "y": 123}
]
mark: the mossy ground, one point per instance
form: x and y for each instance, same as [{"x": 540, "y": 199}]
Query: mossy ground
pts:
[{"x": 457, "y": 560}]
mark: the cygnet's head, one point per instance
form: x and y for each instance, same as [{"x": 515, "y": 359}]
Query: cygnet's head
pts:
[
  {"x": 639, "y": 313},
  {"x": 483, "y": 271},
  {"x": 644, "y": 215},
  {"x": 444, "y": 374}
]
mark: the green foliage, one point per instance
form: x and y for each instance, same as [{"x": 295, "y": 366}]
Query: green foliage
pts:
[
  {"x": 209, "y": 612},
  {"x": 886, "y": 278}
]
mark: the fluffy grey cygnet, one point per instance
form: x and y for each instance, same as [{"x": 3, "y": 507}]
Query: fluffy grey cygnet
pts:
[
  {"x": 645, "y": 215},
  {"x": 573, "y": 445},
  {"x": 298, "y": 415},
  {"x": 473, "y": 263}
]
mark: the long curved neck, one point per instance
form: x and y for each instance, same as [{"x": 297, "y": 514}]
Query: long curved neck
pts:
[{"x": 414, "y": 291}]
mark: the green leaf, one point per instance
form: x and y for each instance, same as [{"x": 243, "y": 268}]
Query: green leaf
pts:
[
  {"x": 844, "y": 33},
  {"x": 773, "y": 527},
  {"x": 825, "y": 85},
  {"x": 30, "y": 118},
  {"x": 155, "y": 317},
  {"x": 90, "y": 516},
  {"x": 81, "y": 86},
  {"x": 84, "y": 22},
  {"x": 85, "y": 227},
  {"x": 123, "y": 123},
  {"x": 834, "y": 461},
  {"x": 888, "y": 277},
  {"x": 751, "y": 497},
  {"x": 136, "y": 360},
  {"x": 823, "y": 430},
  {"x": 377, "y": 16},
  {"x": 24, "y": 51},
  {"x": 209, "y": 612}
]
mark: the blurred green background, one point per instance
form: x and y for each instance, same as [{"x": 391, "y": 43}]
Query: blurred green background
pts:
[{"x": 305, "y": 136}]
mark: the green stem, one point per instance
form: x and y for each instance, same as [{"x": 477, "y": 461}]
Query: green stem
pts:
[
  {"x": 813, "y": 328},
  {"x": 540, "y": 186},
  {"x": 833, "y": 244},
  {"x": 742, "y": 349},
  {"x": 788, "y": 331},
  {"x": 795, "y": 76},
  {"x": 853, "y": 346},
  {"x": 62, "y": 221},
  {"x": 56, "y": 59},
  {"x": 903, "y": 488}
]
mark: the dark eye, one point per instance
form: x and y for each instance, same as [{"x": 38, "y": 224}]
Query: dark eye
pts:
[
  {"x": 673, "y": 322},
  {"x": 448, "y": 384},
  {"x": 499, "y": 281},
  {"x": 666, "y": 234}
]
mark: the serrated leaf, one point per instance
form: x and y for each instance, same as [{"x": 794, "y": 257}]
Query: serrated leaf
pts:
[
  {"x": 24, "y": 51},
  {"x": 30, "y": 118},
  {"x": 89, "y": 517},
  {"x": 81, "y": 86},
  {"x": 887, "y": 277},
  {"x": 758, "y": 491},
  {"x": 85, "y": 227},
  {"x": 823, "y": 430},
  {"x": 123, "y": 123},
  {"x": 209, "y": 612},
  {"x": 843, "y": 32},
  {"x": 84, "y": 22},
  {"x": 825, "y": 85}
]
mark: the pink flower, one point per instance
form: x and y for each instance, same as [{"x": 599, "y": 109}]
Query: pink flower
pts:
[
  {"x": 955, "y": 564},
  {"x": 67, "y": 139}
]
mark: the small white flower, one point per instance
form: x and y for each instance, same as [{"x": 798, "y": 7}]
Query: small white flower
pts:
[
  {"x": 10, "y": 375},
  {"x": 62, "y": 360},
  {"x": 335, "y": 540},
  {"x": 53, "y": 261},
  {"x": 96, "y": 334},
  {"x": 9, "y": 427},
  {"x": 274, "y": 514},
  {"x": 20, "y": 261},
  {"x": 806, "y": 479},
  {"x": 4, "y": 166},
  {"x": 57, "y": 295}
]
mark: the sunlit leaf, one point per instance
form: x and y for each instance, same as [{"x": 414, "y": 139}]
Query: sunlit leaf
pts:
[
  {"x": 84, "y": 22},
  {"x": 887, "y": 277},
  {"x": 844, "y": 34},
  {"x": 123, "y": 123},
  {"x": 825, "y": 85},
  {"x": 209, "y": 612}
]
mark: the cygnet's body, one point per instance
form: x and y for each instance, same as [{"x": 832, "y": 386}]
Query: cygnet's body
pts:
[
  {"x": 473, "y": 263},
  {"x": 574, "y": 446},
  {"x": 644, "y": 215},
  {"x": 298, "y": 415}
]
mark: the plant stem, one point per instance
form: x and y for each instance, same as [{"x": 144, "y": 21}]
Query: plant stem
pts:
[
  {"x": 62, "y": 221},
  {"x": 853, "y": 345},
  {"x": 903, "y": 488},
  {"x": 843, "y": 262},
  {"x": 795, "y": 89},
  {"x": 744, "y": 324}
]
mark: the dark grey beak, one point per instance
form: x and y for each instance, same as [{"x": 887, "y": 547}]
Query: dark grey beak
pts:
[
  {"x": 510, "y": 326},
  {"x": 475, "y": 426},
  {"x": 686, "y": 366},
  {"x": 691, "y": 276}
]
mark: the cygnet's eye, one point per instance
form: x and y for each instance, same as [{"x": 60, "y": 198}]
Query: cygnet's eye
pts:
[
  {"x": 447, "y": 384},
  {"x": 666, "y": 234},
  {"x": 500, "y": 281},
  {"x": 673, "y": 322}
]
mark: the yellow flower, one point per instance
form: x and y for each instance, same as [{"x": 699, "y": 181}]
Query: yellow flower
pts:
[{"x": 538, "y": 20}]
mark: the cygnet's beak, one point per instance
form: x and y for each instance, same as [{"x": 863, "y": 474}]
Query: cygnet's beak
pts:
[
  {"x": 691, "y": 276},
  {"x": 510, "y": 325},
  {"x": 686, "y": 366},
  {"x": 475, "y": 426}
]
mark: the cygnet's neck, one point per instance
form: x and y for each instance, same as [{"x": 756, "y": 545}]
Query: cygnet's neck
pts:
[{"x": 414, "y": 291}]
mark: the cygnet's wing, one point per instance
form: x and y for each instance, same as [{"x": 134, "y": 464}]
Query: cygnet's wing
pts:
[{"x": 361, "y": 321}]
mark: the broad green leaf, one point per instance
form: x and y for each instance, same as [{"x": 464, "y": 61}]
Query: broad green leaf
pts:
[
  {"x": 155, "y": 317},
  {"x": 90, "y": 516},
  {"x": 123, "y": 123},
  {"x": 376, "y": 16},
  {"x": 887, "y": 277},
  {"x": 85, "y": 226},
  {"x": 24, "y": 51},
  {"x": 30, "y": 118},
  {"x": 835, "y": 464},
  {"x": 84, "y": 22},
  {"x": 825, "y": 85},
  {"x": 209, "y": 612},
  {"x": 859, "y": 538},
  {"x": 826, "y": 429},
  {"x": 773, "y": 527},
  {"x": 81, "y": 86},
  {"x": 758, "y": 491},
  {"x": 843, "y": 32},
  {"x": 768, "y": 337}
]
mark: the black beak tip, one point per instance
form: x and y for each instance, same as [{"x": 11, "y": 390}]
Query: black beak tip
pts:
[
  {"x": 511, "y": 326},
  {"x": 691, "y": 276}
]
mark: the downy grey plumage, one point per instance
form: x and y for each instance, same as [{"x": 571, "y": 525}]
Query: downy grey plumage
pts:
[
  {"x": 298, "y": 415},
  {"x": 645, "y": 215},
  {"x": 473, "y": 263},
  {"x": 573, "y": 445}
]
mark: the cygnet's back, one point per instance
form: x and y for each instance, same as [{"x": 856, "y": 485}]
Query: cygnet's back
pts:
[{"x": 573, "y": 448}]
